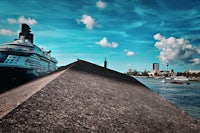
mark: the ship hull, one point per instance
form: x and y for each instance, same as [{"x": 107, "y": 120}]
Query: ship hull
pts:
[
  {"x": 14, "y": 74},
  {"x": 21, "y": 60},
  {"x": 14, "y": 68},
  {"x": 11, "y": 77}
]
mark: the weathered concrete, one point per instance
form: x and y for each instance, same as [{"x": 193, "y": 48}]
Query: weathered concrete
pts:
[
  {"x": 89, "y": 98},
  {"x": 11, "y": 99}
]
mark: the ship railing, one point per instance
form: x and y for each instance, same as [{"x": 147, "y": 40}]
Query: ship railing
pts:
[{"x": 15, "y": 49}]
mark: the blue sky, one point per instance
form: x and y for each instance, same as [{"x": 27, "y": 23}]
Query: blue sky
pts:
[{"x": 129, "y": 33}]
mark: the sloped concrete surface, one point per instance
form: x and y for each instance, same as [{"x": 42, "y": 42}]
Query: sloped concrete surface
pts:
[
  {"x": 11, "y": 99},
  {"x": 88, "y": 98}
]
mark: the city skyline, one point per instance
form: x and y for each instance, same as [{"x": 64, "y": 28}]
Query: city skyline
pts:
[{"x": 129, "y": 34}]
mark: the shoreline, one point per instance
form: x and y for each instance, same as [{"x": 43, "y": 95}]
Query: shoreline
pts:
[{"x": 159, "y": 77}]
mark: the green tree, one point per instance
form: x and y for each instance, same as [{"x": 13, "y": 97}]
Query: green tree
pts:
[
  {"x": 134, "y": 73},
  {"x": 145, "y": 73}
]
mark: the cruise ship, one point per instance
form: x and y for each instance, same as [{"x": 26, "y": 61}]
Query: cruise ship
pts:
[{"x": 22, "y": 59}]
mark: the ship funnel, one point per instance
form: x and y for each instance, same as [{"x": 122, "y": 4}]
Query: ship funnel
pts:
[{"x": 26, "y": 32}]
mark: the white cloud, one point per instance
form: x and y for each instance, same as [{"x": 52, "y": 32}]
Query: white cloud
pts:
[
  {"x": 195, "y": 61},
  {"x": 100, "y": 4},
  {"x": 157, "y": 36},
  {"x": 104, "y": 43},
  {"x": 22, "y": 19},
  {"x": 174, "y": 50},
  {"x": 6, "y": 32},
  {"x": 88, "y": 21},
  {"x": 129, "y": 53},
  {"x": 12, "y": 21}
]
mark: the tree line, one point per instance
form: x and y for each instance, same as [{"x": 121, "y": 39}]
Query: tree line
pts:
[{"x": 135, "y": 73}]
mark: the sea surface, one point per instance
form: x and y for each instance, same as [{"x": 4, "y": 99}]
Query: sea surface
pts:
[{"x": 186, "y": 97}]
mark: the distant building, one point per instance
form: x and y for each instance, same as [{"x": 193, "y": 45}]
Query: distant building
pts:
[
  {"x": 156, "y": 70},
  {"x": 130, "y": 70},
  {"x": 155, "y": 66},
  {"x": 194, "y": 71}
]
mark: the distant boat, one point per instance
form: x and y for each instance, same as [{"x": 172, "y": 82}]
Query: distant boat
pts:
[
  {"x": 180, "y": 80},
  {"x": 168, "y": 78},
  {"x": 163, "y": 81}
]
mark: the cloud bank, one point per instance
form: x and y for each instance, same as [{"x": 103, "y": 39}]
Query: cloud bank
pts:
[
  {"x": 129, "y": 53},
  {"x": 100, "y": 4},
  {"x": 104, "y": 43},
  {"x": 22, "y": 19},
  {"x": 6, "y": 32},
  {"x": 88, "y": 21},
  {"x": 176, "y": 50}
]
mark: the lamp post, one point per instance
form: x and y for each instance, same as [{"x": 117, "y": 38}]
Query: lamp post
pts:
[{"x": 167, "y": 67}]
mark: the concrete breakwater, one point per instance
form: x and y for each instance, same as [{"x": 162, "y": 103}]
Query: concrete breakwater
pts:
[{"x": 85, "y": 97}]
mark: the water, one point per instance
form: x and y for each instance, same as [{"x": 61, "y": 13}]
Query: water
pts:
[{"x": 186, "y": 97}]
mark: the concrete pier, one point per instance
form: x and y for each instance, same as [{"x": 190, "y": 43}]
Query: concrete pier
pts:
[{"x": 84, "y": 97}]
